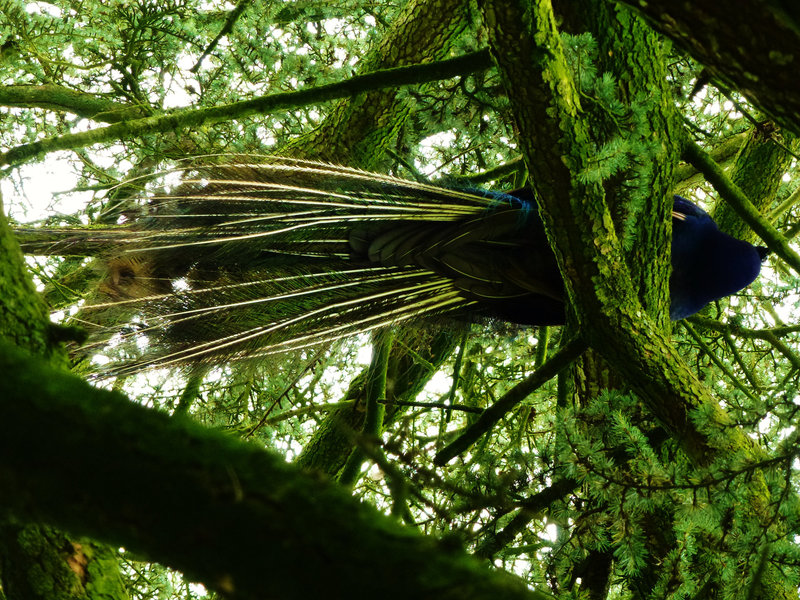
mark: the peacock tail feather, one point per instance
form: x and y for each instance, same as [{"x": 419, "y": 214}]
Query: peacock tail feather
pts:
[{"x": 248, "y": 256}]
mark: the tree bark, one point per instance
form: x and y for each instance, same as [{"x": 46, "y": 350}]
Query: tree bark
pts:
[
  {"x": 753, "y": 49},
  {"x": 554, "y": 137},
  {"x": 203, "y": 503},
  {"x": 37, "y": 563}
]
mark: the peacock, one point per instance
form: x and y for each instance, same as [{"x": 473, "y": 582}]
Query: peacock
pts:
[{"x": 250, "y": 256}]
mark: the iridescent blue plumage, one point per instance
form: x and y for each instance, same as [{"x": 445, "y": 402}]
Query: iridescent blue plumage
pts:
[{"x": 707, "y": 264}]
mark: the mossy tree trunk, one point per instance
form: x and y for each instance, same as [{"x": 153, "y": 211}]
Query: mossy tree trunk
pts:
[
  {"x": 37, "y": 562},
  {"x": 555, "y": 136},
  {"x": 359, "y": 130},
  {"x": 637, "y": 198},
  {"x": 738, "y": 47}
]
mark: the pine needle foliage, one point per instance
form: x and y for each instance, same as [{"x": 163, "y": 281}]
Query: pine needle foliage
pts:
[{"x": 584, "y": 497}]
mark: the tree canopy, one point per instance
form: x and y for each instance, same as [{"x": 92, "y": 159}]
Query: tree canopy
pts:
[{"x": 619, "y": 456}]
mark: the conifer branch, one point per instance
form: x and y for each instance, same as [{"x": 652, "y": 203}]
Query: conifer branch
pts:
[{"x": 183, "y": 119}]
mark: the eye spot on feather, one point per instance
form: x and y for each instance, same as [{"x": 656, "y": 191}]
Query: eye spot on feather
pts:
[{"x": 127, "y": 278}]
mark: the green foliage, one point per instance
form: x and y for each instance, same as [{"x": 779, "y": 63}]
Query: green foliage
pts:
[
  {"x": 625, "y": 147},
  {"x": 632, "y": 500}
]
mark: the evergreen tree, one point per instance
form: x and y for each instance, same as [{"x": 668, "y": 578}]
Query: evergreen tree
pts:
[{"x": 618, "y": 456}]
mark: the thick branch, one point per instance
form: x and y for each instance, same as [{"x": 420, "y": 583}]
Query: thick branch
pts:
[
  {"x": 554, "y": 138},
  {"x": 196, "y": 500},
  {"x": 753, "y": 49}
]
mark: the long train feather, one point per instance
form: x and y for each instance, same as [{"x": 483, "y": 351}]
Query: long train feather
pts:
[{"x": 249, "y": 256}]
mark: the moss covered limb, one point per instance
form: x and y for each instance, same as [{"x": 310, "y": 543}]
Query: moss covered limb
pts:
[
  {"x": 752, "y": 49},
  {"x": 237, "y": 518},
  {"x": 760, "y": 164},
  {"x": 36, "y": 562},
  {"x": 63, "y": 99},
  {"x": 688, "y": 177},
  {"x": 555, "y": 141},
  {"x": 375, "y": 399},
  {"x": 23, "y": 314},
  {"x": 183, "y": 119}
]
